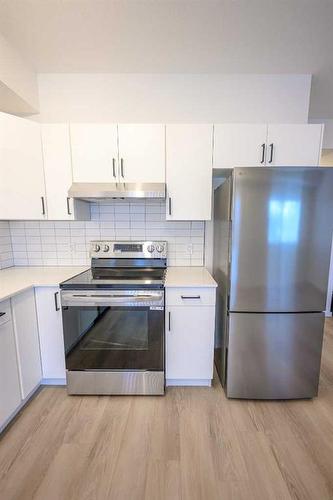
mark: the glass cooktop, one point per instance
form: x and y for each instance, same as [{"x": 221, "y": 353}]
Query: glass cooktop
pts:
[{"x": 116, "y": 278}]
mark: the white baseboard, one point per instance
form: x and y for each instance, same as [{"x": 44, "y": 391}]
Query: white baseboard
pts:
[
  {"x": 188, "y": 382},
  {"x": 53, "y": 381}
]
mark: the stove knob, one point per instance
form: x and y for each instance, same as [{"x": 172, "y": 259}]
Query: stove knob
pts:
[
  {"x": 96, "y": 248},
  {"x": 150, "y": 248},
  {"x": 160, "y": 248},
  {"x": 106, "y": 248}
]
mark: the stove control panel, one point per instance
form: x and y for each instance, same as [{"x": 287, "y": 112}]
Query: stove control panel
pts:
[{"x": 128, "y": 249}]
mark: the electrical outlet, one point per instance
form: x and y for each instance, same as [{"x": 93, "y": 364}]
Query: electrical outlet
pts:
[{"x": 190, "y": 248}]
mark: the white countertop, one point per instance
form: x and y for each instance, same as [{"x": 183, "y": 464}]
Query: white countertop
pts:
[
  {"x": 189, "y": 277},
  {"x": 16, "y": 279}
]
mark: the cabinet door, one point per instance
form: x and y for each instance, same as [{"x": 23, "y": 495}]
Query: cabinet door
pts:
[
  {"x": 50, "y": 332},
  {"x": 239, "y": 145},
  {"x": 190, "y": 342},
  {"x": 10, "y": 394},
  {"x": 58, "y": 174},
  {"x": 26, "y": 333},
  {"x": 22, "y": 190},
  {"x": 189, "y": 171},
  {"x": 94, "y": 152},
  {"x": 294, "y": 145},
  {"x": 142, "y": 153}
]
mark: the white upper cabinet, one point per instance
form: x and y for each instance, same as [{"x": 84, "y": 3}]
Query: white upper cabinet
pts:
[
  {"x": 22, "y": 189},
  {"x": 141, "y": 153},
  {"x": 294, "y": 145},
  {"x": 189, "y": 171},
  {"x": 123, "y": 153},
  {"x": 58, "y": 174},
  {"x": 255, "y": 145},
  {"x": 94, "y": 152},
  {"x": 239, "y": 145}
]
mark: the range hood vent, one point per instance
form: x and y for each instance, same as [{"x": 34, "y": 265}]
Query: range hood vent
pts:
[{"x": 94, "y": 191}]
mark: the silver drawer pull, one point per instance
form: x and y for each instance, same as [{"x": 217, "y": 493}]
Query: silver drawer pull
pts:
[{"x": 185, "y": 297}]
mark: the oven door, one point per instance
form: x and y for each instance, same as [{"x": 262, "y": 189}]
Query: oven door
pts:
[{"x": 113, "y": 330}]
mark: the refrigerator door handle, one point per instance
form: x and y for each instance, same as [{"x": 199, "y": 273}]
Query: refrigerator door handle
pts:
[
  {"x": 263, "y": 148},
  {"x": 271, "y": 153}
]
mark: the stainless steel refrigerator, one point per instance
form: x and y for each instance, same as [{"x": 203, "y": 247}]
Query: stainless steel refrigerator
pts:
[{"x": 272, "y": 238}]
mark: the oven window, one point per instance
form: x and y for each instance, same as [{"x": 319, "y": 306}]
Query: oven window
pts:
[
  {"x": 118, "y": 330},
  {"x": 119, "y": 337}
]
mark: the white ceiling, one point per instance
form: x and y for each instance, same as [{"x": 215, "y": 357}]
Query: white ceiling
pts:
[{"x": 184, "y": 36}]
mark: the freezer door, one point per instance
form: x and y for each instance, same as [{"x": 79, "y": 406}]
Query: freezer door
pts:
[
  {"x": 281, "y": 239},
  {"x": 274, "y": 356}
]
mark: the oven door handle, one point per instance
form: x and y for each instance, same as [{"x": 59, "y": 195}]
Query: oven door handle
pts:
[{"x": 109, "y": 300}]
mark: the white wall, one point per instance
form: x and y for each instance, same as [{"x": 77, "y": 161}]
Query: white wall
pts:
[
  {"x": 174, "y": 97},
  {"x": 328, "y": 132},
  {"x": 18, "y": 82}
]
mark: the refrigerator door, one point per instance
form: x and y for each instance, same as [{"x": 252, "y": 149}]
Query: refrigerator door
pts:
[
  {"x": 274, "y": 356},
  {"x": 281, "y": 238}
]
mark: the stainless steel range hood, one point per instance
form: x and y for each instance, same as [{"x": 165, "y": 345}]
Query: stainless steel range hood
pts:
[{"x": 94, "y": 191}]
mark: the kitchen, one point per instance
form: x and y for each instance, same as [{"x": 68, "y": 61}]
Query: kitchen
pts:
[{"x": 112, "y": 242}]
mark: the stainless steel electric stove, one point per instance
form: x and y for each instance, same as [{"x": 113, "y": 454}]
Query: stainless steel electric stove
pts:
[{"x": 113, "y": 320}]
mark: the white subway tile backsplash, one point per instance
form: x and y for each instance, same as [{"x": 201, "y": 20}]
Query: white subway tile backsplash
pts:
[
  {"x": 6, "y": 250},
  {"x": 67, "y": 242}
]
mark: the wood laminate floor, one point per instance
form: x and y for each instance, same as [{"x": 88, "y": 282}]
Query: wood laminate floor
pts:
[{"x": 191, "y": 444}]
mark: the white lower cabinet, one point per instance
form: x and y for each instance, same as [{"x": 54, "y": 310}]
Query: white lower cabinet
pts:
[
  {"x": 190, "y": 327},
  {"x": 10, "y": 393},
  {"x": 50, "y": 334},
  {"x": 31, "y": 347},
  {"x": 27, "y": 341}
]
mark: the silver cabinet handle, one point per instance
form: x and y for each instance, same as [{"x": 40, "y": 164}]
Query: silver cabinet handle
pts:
[
  {"x": 169, "y": 321},
  {"x": 43, "y": 204},
  {"x": 68, "y": 207},
  {"x": 122, "y": 167},
  {"x": 170, "y": 207},
  {"x": 114, "y": 167},
  {"x": 187, "y": 297},
  {"x": 271, "y": 153},
  {"x": 263, "y": 148}
]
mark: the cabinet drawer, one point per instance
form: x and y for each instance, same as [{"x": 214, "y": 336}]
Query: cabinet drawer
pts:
[
  {"x": 190, "y": 296},
  {"x": 5, "y": 308}
]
